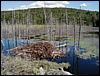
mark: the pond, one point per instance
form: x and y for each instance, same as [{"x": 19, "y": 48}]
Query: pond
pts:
[{"x": 84, "y": 67}]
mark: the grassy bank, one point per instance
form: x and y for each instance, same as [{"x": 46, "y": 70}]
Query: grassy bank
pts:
[{"x": 19, "y": 66}]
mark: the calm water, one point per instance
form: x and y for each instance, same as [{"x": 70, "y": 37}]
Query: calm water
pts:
[{"x": 86, "y": 66}]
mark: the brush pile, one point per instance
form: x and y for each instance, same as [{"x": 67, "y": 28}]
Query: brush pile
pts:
[{"x": 36, "y": 51}]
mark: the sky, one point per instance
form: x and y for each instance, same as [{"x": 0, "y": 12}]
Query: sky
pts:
[{"x": 86, "y": 5}]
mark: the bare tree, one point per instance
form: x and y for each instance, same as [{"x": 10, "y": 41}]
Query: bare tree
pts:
[
  {"x": 78, "y": 49},
  {"x": 45, "y": 18},
  {"x": 66, "y": 22}
]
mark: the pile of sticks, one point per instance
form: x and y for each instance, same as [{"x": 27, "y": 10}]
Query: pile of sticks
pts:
[{"x": 36, "y": 51}]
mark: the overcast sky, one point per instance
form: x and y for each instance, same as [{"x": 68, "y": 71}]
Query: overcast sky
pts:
[{"x": 86, "y": 5}]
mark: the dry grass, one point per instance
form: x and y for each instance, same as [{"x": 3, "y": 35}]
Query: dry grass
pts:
[
  {"x": 19, "y": 66},
  {"x": 91, "y": 49}
]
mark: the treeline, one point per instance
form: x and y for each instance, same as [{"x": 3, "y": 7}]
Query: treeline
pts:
[{"x": 37, "y": 16}]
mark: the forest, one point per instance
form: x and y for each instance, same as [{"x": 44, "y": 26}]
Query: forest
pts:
[{"x": 36, "y": 15}]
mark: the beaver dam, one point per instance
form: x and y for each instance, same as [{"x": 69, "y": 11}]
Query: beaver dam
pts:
[
  {"x": 40, "y": 50},
  {"x": 44, "y": 43}
]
